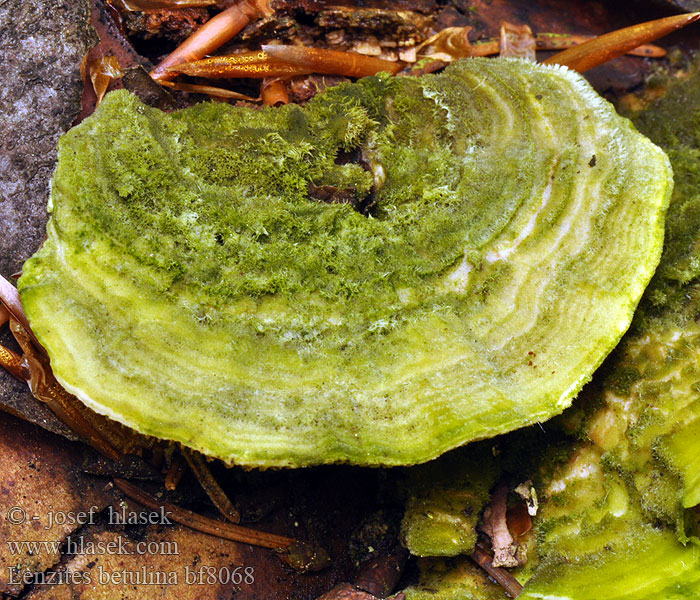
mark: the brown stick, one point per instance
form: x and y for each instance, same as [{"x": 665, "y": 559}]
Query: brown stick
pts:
[
  {"x": 210, "y": 90},
  {"x": 4, "y": 314},
  {"x": 174, "y": 474},
  {"x": 211, "y": 485},
  {"x": 509, "y": 583},
  {"x": 486, "y": 48},
  {"x": 552, "y": 41},
  {"x": 64, "y": 405},
  {"x": 332, "y": 62},
  {"x": 13, "y": 363},
  {"x": 611, "y": 45},
  {"x": 9, "y": 296},
  {"x": 213, "y": 34},
  {"x": 254, "y": 65},
  {"x": 213, "y": 527}
]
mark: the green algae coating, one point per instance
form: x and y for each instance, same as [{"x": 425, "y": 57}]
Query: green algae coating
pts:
[
  {"x": 636, "y": 563},
  {"x": 191, "y": 288},
  {"x": 454, "y": 579},
  {"x": 445, "y": 500}
]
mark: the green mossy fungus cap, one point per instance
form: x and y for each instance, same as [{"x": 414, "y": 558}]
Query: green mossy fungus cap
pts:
[{"x": 400, "y": 267}]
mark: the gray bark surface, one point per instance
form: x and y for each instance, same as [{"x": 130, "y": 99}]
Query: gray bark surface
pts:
[{"x": 42, "y": 43}]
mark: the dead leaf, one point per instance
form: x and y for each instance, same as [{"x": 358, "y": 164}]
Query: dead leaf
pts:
[{"x": 517, "y": 41}]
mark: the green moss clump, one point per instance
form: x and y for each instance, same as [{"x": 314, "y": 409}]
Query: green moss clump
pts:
[{"x": 445, "y": 501}]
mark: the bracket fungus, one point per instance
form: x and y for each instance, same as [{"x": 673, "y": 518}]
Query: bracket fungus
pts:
[{"x": 481, "y": 242}]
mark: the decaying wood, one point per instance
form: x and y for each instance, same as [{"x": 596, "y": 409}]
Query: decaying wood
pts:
[
  {"x": 41, "y": 473},
  {"x": 39, "y": 100},
  {"x": 40, "y": 71},
  {"x": 40, "y": 482},
  {"x": 169, "y": 24}
]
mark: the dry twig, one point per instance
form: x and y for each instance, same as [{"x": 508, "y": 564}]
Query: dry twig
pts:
[
  {"x": 213, "y": 527},
  {"x": 611, "y": 45},
  {"x": 211, "y": 485},
  {"x": 509, "y": 583}
]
